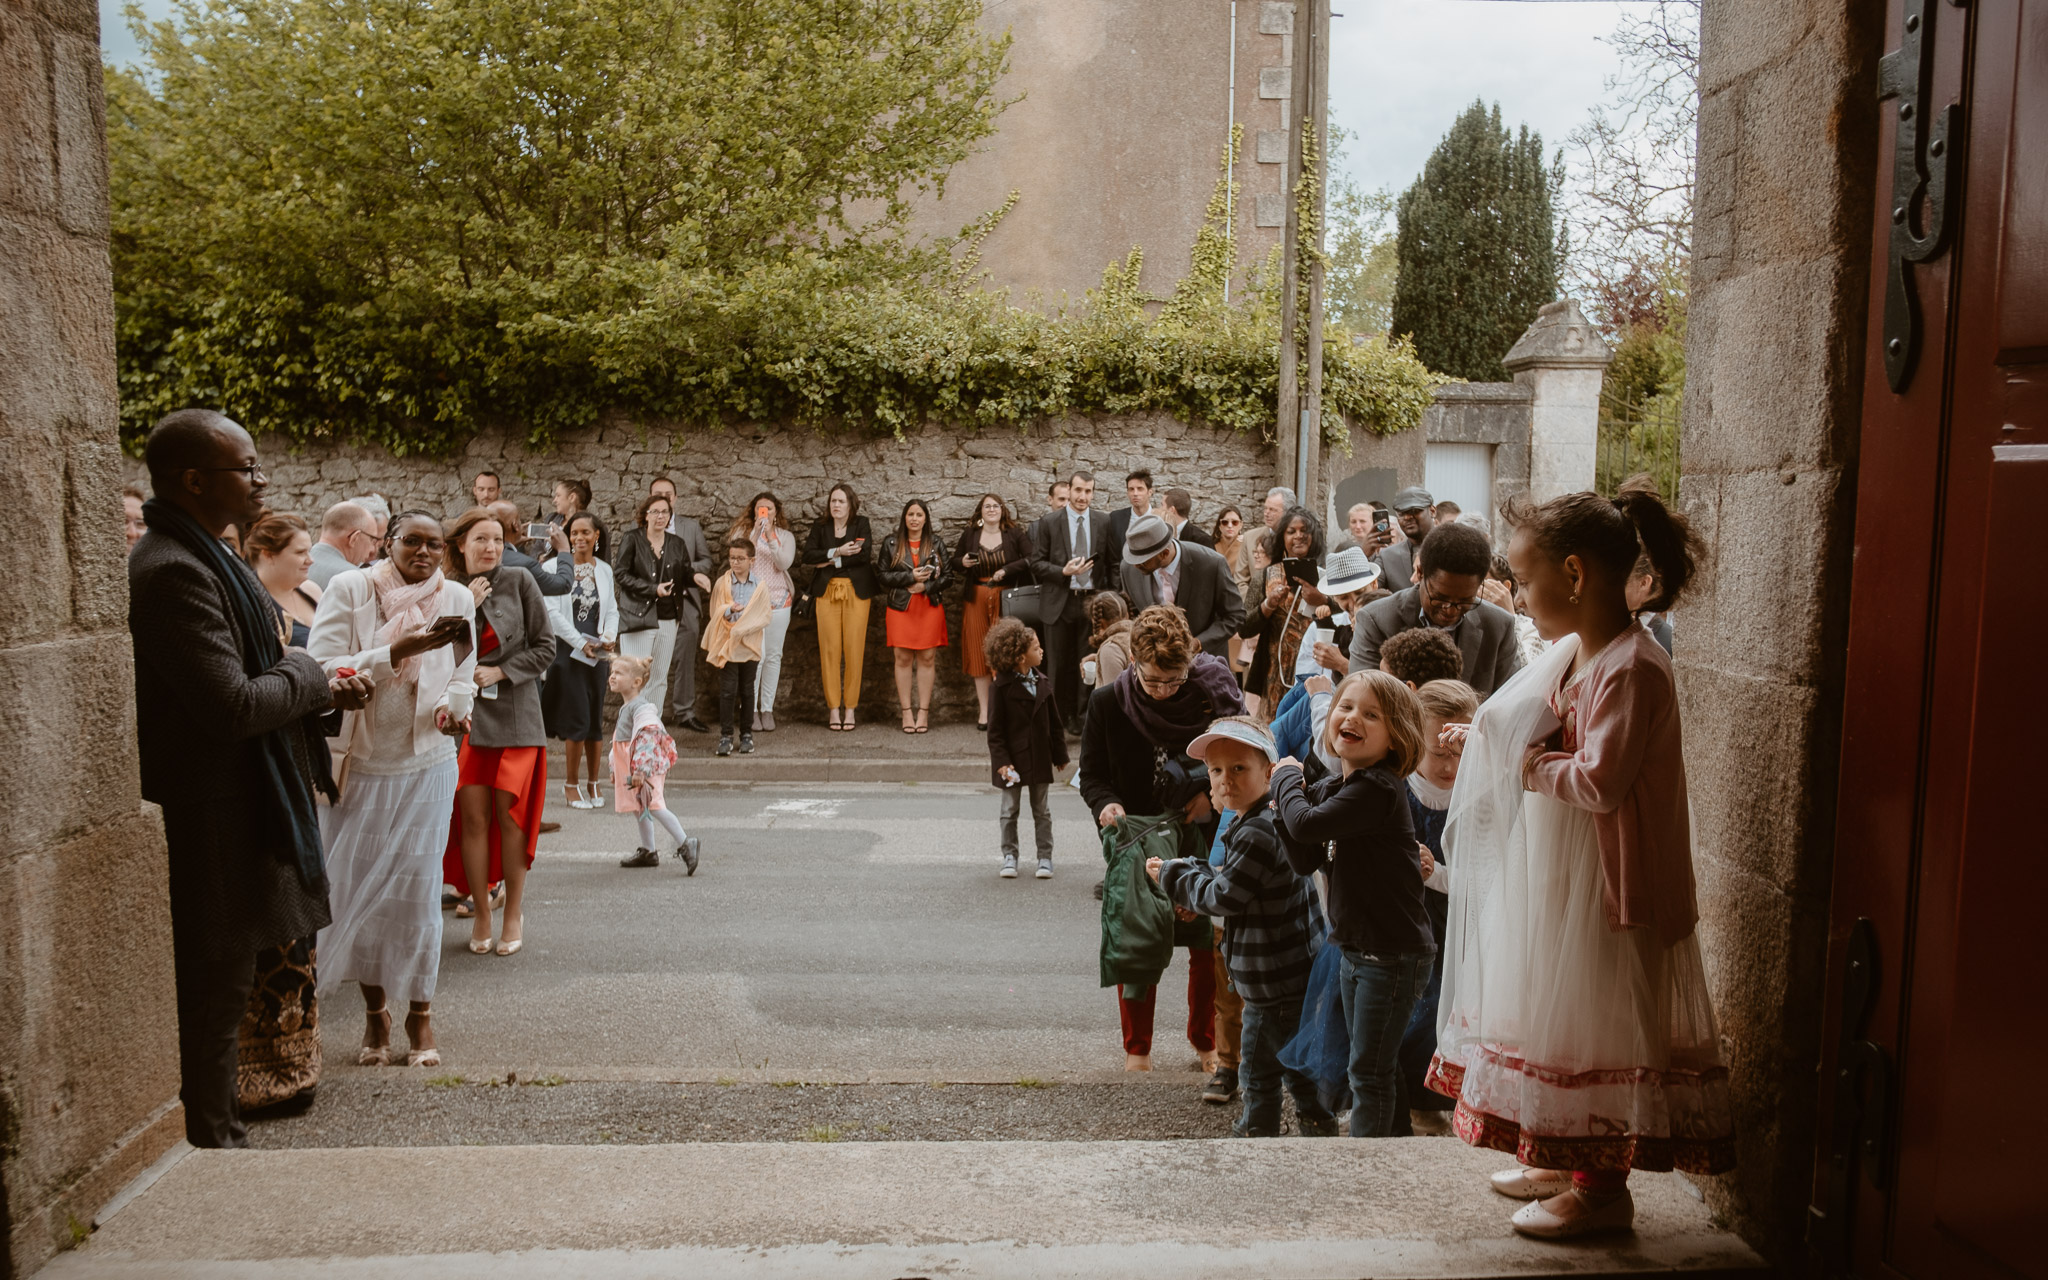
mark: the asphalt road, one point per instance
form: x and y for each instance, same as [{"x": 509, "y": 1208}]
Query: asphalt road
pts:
[{"x": 849, "y": 932}]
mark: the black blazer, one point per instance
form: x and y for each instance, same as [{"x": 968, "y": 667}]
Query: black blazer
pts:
[
  {"x": 1016, "y": 559},
  {"x": 1192, "y": 532},
  {"x": 635, "y": 573},
  {"x": 859, "y": 570},
  {"x": 1023, "y": 731},
  {"x": 898, "y": 577},
  {"x": 197, "y": 715},
  {"x": 1051, "y": 553}
]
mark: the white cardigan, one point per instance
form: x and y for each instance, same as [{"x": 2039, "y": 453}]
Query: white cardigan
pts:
[
  {"x": 345, "y": 635},
  {"x": 560, "y": 607}
]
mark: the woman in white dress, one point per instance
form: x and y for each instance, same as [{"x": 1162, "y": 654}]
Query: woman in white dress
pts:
[{"x": 395, "y": 760}]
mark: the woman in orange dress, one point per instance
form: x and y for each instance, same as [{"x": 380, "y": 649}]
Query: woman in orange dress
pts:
[
  {"x": 993, "y": 554},
  {"x": 502, "y": 770},
  {"x": 913, "y": 568}
]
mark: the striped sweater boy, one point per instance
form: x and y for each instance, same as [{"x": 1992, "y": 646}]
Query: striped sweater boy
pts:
[{"x": 1263, "y": 903}]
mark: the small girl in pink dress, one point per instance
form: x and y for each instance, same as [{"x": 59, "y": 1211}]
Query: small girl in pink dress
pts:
[
  {"x": 642, "y": 753},
  {"x": 1575, "y": 1028}
]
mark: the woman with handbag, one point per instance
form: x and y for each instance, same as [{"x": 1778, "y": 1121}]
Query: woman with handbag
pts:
[
  {"x": 993, "y": 555},
  {"x": 842, "y": 583},
  {"x": 651, "y": 575},
  {"x": 384, "y": 837},
  {"x": 914, "y": 569}
]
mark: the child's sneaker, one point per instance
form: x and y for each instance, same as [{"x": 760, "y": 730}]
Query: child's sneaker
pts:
[
  {"x": 1009, "y": 871},
  {"x": 1313, "y": 1127},
  {"x": 642, "y": 858},
  {"x": 746, "y": 744},
  {"x": 1045, "y": 868},
  {"x": 689, "y": 850},
  {"x": 724, "y": 747}
]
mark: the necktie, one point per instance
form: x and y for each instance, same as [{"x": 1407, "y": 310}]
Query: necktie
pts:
[{"x": 1081, "y": 548}]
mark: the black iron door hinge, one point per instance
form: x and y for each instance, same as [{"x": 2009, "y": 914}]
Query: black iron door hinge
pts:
[
  {"x": 1921, "y": 175},
  {"x": 1859, "y": 1138}
]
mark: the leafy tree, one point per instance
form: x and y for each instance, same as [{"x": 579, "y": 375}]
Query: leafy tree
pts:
[
  {"x": 1362, "y": 255},
  {"x": 1477, "y": 246},
  {"x": 400, "y": 214}
]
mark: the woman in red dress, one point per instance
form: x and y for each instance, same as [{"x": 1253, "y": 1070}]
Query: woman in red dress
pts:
[
  {"x": 503, "y": 766},
  {"x": 913, "y": 568}
]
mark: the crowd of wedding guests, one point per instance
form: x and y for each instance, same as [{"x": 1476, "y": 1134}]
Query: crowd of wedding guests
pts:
[{"x": 338, "y": 721}]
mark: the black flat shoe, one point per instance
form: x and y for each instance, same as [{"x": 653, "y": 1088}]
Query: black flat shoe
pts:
[
  {"x": 981, "y": 726},
  {"x": 694, "y": 725}
]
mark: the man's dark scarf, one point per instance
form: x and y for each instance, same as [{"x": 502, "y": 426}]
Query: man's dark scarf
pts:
[
  {"x": 1174, "y": 721},
  {"x": 291, "y": 823}
]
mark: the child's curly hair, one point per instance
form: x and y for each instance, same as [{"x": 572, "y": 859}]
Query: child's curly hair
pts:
[
  {"x": 1421, "y": 655},
  {"x": 1161, "y": 637},
  {"x": 1006, "y": 644}
]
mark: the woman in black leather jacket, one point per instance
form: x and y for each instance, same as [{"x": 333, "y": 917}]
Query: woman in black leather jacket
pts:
[
  {"x": 913, "y": 568},
  {"x": 842, "y": 583}
]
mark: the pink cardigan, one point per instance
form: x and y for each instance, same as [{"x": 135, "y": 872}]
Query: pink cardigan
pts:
[{"x": 1629, "y": 771}]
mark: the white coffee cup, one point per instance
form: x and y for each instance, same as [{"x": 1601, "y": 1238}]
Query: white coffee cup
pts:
[{"x": 459, "y": 703}]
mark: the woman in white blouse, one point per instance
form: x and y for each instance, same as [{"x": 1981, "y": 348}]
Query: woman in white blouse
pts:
[
  {"x": 586, "y": 622},
  {"x": 395, "y": 760}
]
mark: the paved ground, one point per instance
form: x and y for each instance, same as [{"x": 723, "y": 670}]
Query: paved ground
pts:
[{"x": 835, "y": 931}]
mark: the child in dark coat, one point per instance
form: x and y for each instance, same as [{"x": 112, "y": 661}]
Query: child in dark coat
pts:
[{"x": 1025, "y": 745}]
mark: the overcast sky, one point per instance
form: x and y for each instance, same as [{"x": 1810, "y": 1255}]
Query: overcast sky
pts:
[{"x": 1400, "y": 70}]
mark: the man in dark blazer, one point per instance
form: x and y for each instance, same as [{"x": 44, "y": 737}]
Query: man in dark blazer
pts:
[
  {"x": 1157, "y": 569},
  {"x": 550, "y": 584},
  {"x": 232, "y": 748},
  {"x": 1174, "y": 506},
  {"x": 1071, "y": 563},
  {"x": 1454, "y": 560},
  {"x": 1138, "y": 490},
  {"x": 682, "y": 670}
]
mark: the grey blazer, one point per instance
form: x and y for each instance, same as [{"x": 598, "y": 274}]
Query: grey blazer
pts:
[
  {"x": 196, "y": 716},
  {"x": 1486, "y": 637},
  {"x": 1054, "y": 547},
  {"x": 1206, "y": 593},
  {"x": 526, "y": 648},
  {"x": 1397, "y": 565}
]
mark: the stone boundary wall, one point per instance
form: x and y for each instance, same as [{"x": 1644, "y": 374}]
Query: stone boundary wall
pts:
[{"x": 718, "y": 471}]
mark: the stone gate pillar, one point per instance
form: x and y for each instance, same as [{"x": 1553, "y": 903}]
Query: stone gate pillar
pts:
[
  {"x": 1561, "y": 358},
  {"x": 88, "y": 1023}
]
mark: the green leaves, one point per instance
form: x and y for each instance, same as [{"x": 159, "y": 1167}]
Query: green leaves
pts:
[{"x": 391, "y": 220}]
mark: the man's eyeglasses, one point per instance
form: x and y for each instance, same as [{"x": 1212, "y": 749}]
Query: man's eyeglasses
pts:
[
  {"x": 1461, "y": 607},
  {"x": 254, "y": 471}
]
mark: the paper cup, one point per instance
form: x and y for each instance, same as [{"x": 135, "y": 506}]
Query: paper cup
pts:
[{"x": 459, "y": 703}]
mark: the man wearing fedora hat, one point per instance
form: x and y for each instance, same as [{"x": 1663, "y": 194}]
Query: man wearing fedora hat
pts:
[
  {"x": 1159, "y": 570},
  {"x": 1415, "y": 512}
]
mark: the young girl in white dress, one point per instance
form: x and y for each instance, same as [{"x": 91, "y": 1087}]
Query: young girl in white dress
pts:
[{"x": 1575, "y": 1029}]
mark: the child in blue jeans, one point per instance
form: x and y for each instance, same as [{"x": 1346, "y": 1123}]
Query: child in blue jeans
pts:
[{"x": 1267, "y": 935}]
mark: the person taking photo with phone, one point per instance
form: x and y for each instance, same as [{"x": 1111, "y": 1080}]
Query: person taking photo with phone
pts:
[{"x": 1286, "y": 609}]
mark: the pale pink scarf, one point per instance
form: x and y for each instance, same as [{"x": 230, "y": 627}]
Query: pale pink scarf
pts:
[{"x": 406, "y": 607}]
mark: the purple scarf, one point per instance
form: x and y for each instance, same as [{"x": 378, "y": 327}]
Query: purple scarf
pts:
[{"x": 1176, "y": 720}]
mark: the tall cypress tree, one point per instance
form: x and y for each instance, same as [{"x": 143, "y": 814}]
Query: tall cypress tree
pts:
[{"x": 1477, "y": 246}]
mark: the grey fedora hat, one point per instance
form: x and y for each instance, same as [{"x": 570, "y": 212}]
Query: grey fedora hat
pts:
[
  {"x": 1147, "y": 537},
  {"x": 1347, "y": 570}
]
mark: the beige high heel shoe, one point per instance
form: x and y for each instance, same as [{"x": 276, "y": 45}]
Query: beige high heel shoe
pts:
[{"x": 377, "y": 1055}]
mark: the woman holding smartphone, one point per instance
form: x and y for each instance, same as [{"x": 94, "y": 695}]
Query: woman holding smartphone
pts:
[
  {"x": 914, "y": 570},
  {"x": 995, "y": 553},
  {"x": 764, "y": 524},
  {"x": 842, "y": 582},
  {"x": 653, "y": 576},
  {"x": 398, "y": 623},
  {"x": 1285, "y": 610}
]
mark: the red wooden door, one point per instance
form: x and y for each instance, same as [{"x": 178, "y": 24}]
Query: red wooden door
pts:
[{"x": 1936, "y": 1028}]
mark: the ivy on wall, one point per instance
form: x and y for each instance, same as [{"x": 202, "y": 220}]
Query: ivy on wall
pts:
[{"x": 386, "y": 222}]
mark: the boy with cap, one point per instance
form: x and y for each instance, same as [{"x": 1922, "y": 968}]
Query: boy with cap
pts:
[{"x": 1268, "y": 937}]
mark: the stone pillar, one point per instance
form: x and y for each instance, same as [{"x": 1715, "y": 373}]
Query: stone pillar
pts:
[
  {"x": 88, "y": 1024},
  {"x": 1561, "y": 359}
]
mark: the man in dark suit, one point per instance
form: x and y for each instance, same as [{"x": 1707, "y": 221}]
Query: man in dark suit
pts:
[
  {"x": 1174, "y": 506},
  {"x": 1415, "y": 512},
  {"x": 551, "y": 584},
  {"x": 228, "y": 723},
  {"x": 1070, "y": 564},
  {"x": 1137, "y": 488},
  {"x": 682, "y": 680},
  {"x": 1157, "y": 569},
  {"x": 1454, "y": 560}
]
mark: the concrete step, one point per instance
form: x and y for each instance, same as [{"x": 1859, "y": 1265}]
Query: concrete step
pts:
[{"x": 1285, "y": 1209}]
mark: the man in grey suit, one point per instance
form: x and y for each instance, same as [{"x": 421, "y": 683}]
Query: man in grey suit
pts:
[
  {"x": 1454, "y": 560},
  {"x": 228, "y": 724},
  {"x": 1415, "y": 512},
  {"x": 1158, "y": 569},
  {"x": 682, "y": 669},
  {"x": 1071, "y": 564},
  {"x": 348, "y": 540}
]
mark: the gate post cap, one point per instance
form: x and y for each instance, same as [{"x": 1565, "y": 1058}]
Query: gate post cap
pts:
[{"x": 1560, "y": 338}]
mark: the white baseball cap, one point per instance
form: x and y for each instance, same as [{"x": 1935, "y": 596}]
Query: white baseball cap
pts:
[{"x": 1250, "y": 735}]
